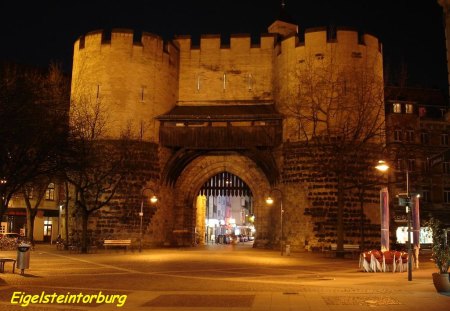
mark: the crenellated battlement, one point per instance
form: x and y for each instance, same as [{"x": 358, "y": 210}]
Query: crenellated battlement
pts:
[
  {"x": 346, "y": 37},
  {"x": 123, "y": 39},
  {"x": 212, "y": 42},
  {"x": 312, "y": 37}
]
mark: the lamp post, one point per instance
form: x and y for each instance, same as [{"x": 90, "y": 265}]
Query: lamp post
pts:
[
  {"x": 382, "y": 166},
  {"x": 153, "y": 200},
  {"x": 408, "y": 215},
  {"x": 270, "y": 201}
]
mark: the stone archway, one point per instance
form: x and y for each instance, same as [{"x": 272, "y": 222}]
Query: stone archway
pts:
[{"x": 201, "y": 169}]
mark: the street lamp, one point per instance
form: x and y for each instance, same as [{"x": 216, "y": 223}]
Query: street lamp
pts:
[
  {"x": 153, "y": 200},
  {"x": 270, "y": 201},
  {"x": 382, "y": 166}
]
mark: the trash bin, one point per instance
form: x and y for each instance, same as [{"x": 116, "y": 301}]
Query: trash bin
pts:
[
  {"x": 288, "y": 250},
  {"x": 23, "y": 257}
]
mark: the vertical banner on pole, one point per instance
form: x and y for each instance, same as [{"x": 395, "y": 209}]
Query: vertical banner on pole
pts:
[
  {"x": 416, "y": 228},
  {"x": 384, "y": 211}
]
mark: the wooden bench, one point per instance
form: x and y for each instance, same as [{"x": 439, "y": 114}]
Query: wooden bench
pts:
[
  {"x": 5, "y": 260},
  {"x": 114, "y": 243},
  {"x": 351, "y": 249}
]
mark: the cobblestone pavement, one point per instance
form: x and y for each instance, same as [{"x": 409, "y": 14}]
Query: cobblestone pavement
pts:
[{"x": 214, "y": 277}]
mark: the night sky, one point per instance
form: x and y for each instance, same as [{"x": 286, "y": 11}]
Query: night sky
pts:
[{"x": 412, "y": 33}]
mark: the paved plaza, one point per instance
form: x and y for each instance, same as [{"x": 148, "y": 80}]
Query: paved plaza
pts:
[{"x": 213, "y": 277}]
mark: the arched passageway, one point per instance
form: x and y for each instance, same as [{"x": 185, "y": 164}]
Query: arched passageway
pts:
[
  {"x": 194, "y": 181},
  {"x": 224, "y": 211}
]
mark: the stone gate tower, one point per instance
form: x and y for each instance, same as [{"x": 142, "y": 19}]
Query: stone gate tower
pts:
[{"x": 218, "y": 107}]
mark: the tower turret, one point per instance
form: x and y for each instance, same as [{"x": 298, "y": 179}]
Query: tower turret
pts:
[{"x": 284, "y": 25}]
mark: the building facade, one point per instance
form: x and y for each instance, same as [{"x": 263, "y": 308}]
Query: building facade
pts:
[{"x": 417, "y": 124}]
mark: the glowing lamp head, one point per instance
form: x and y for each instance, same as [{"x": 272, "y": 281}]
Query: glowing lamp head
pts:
[
  {"x": 382, "y": 166},
  {"x": 153, "y": 199},
  {"x": 269, "y": 200}
]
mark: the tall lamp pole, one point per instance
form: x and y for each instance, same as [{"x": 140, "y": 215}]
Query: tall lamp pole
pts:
[
  {"x": 382, "y": 166},
  {"x": 270, "y": 201},
  {"x": 408, "y": 214},
  {"x": 153, "y": 200}
]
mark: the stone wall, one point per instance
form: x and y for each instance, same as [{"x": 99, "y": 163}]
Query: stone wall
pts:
[{"x": 120, "y": 218}]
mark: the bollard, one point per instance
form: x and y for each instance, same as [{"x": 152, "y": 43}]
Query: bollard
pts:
[{"x": 288, "y": 250}]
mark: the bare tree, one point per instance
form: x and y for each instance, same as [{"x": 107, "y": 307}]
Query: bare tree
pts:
[
  {"x": 93, "y": 161},
  {"x": 33, "y": 106},
  {"x": 337, "y": 118}
]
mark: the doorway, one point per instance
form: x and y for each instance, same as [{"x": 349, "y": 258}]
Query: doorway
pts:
[{"x": 48, "y": 230}]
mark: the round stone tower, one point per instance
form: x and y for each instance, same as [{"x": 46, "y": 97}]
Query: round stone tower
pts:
[{"x": 132, "y": 81}]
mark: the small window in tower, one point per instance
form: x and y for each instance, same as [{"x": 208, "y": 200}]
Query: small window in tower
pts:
[
  {"x": 98, "y": 91},
  {"x": 320, "y": 56},
  {"x": 142, "y": 95},
  {"x": 224, "y": 81},
  {"x": 356, "y": 54},
  {"x": 250, "y": 81},
  {"x": 198, "y": 83}
]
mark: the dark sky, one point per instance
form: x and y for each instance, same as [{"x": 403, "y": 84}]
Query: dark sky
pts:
[{"x": 37, "y": 32}]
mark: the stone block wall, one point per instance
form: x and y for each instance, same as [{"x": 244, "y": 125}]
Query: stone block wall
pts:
[{"x": 120, "y": 218}]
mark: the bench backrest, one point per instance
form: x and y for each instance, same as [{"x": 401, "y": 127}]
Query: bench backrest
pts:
[
  {"x": 346, "y": 247},
  {"x": 117, "y": 242}
]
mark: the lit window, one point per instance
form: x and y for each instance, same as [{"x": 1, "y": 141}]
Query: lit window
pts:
[
  {"x": 50, "y": 192},
  {"x": 396, "y": 107},
  {"x": 444, "y": 139},
  {"x": 397, "y": 135},
  {"x": 424, "y": 138},
  {"x": 409, "y": 108}
]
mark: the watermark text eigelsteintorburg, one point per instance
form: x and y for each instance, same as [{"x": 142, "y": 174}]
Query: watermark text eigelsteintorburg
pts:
[{"x": 23, "y": 299}]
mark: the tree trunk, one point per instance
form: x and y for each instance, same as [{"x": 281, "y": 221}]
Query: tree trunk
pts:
[
  {"x": 340, "y": 217},
  {"x": 66, "y": 214},
  {"x": 84, "y": 237},
  {"x": 31, "y": 215}
]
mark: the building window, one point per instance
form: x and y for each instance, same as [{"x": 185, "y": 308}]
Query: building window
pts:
[
  {"x": 424, "y": 138},
  {"x": 397, "y": 108},
  {"x": 409, "y": 108},
  {"x": 50, "y": 192},
  {"x": 410, "y": 136},
  {"x": 426, "y": 166},
  {"x": 411, "y": 165},
  {"x": 422, "y": 112},
  {"x": 425, "y": 195},
  {"x": 399, "y": 165},
  {"x": 444, "y": 139},
  {"x": 446, "y": 195},
  {"x": 446, "y": 167},
  {"x": 397, "y": 135}
]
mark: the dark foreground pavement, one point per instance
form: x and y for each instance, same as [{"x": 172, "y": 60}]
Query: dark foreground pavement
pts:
[{"x": 216, "y": 277}]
